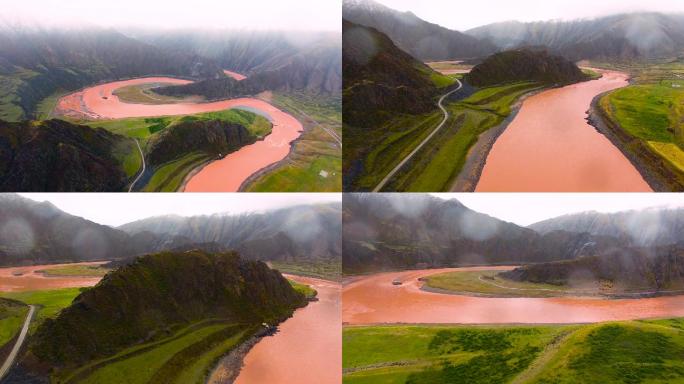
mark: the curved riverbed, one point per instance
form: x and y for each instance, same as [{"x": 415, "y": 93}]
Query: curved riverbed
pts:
[
  {"x": 223, "y": 175},
  {"x": 29, "y": 278},
  {"x": 307, "y": 349},
  {"x": 549, "y": 146},
  {"x": 374, "y": 299}
]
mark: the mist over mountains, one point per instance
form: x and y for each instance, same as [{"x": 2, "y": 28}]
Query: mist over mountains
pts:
[
  {"x": 399, "y": 231},
  {"x": 36, "y": 233}
]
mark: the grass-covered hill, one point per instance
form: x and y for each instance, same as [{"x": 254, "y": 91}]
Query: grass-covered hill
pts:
[
  {"x": 380, "y": 79},
  {"x": 55, "y": 155},
  {"x": 157, "y": 294},
  {"x": 525, "y": 65},
  {"x": 650, "y": 270}
]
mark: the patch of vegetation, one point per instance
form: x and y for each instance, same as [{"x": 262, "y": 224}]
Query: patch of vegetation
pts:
[
  {"x": 76, "y": 270},
  {"x": 49, "y": 302},
  {"x": 315, "y": 163},
  {"x": 324, "y": 269},
  {"x": 488, "y": 283},
  {"x": 12, "y": 316},
  {"x": 169, "y": 177},
  {"x": 304, "y": 289},
  {"x": 143, "y": 94}
]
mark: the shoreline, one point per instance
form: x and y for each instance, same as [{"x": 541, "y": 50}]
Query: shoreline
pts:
[
  {"x": 655, "y": 170},
  {"x": 227, "y": 368}
]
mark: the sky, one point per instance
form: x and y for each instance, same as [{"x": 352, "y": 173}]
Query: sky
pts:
[
  {"x": 528, "y": 208},
  {"x": 318, "y": 15},
  {"x": 115, "y": 209},
  {"x": 462, "y": 15}
]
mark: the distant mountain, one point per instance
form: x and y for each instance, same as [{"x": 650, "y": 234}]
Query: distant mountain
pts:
[
  {"x": 421, "y": 39},
  {"x": 649, "y": 270},
  {"x": 398, "y": 231},
  {"x": 650, "y": 227},
  {"x": 624, "y": 36},
  {"x": 54, "y": 155},
  {"x": 380, "y": 79},
  {"x": 34, "y": 63},
  {"x": 524, "y": 65},
  {"x": 300, "y": 233},
  {"x": 142, "y": 301}
]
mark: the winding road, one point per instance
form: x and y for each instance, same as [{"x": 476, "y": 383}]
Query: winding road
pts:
[
  {"x": 415, "y": 150},
  {"x": 142, "y": 156},
  {"x": 9, "y": 362}
]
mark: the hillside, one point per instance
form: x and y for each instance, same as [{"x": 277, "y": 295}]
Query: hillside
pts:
[
  {"x": 616, "y": 37},
  {"x": 524, "y": 65},
  {"x": 421, "y": 39},
  {"x": 55, "y": 155},
  {"x": 648, "y": 270},
  {"x": 297, "y": 233},
  {"x": 384, "y": 232},
  {"x": 650, "y": 227},
  {"x": 35, "y": 63},
  {"x": 144, "y": 300},
  {"x": 380, "y": 79}
]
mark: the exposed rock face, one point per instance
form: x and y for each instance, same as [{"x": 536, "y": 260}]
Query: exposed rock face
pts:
[
  {"x": 58, "y": 156},
  {"x": 140, "y": 301},
  {"x": 525, "y": 65},
  {"x": 407, "y": 231},
  {"x": 426, "y": 41},
  {"x": 214, "y": 137},
  {"x": 649, "y": 270}
]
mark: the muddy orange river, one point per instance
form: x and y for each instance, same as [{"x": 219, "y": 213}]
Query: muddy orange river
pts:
[
  {"x": 307, "y": 348},
  {"x": 374, "y": 299},
  {"x": 549, "y": 146},
  {"x": 17, "y": 279},
  {"x": 224, "y": 175}
]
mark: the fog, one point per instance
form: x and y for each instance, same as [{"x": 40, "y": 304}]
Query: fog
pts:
[
  {"x": 118, "y": 208},
  {"x": 309, "y": 15},
  {"x": 528, "y": 208},
  {"x": 463, "y": 16}
]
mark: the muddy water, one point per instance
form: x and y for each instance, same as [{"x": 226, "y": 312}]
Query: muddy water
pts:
[
  {"x": 225, "y": 175},
  {"x": 307, "y": 348},
  {"x": 549, "y": 146},
  {"x": 234, "y": 75},
  {"x": 16, "y": 279},
  {"x": 373, "y": 299}
]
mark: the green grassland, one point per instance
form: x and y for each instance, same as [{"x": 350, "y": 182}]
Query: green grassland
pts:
[
  {"x": 328, "y": 270},
  {"x": 187, "y": 356},
  {"x": 169, "y": 177},
  {"x": 487, "y": 283},
  {"x": 142, "y": 94},
  {"x": 49, "y": 302},
  {"x": 436, "y": 166},
  {"x": 76, "y": 270},
  {"x": 12, "y": 316},
  {"x": 315, "y": 151},
  {"x": 630, "y": 352}
]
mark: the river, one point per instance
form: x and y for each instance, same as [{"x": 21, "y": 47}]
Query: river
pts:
[
  {"x": 29, "y": 278},
  {"x": 223, "y": 175},
  {"x": 307, "y": 348},
  {"x": 374, "y": 299},
  {"x": 550, "y": 147}
]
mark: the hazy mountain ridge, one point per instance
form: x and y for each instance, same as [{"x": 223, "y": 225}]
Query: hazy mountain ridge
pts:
[
  {"x": 622, "y": 36},
  {"x": 409, "y": 231},
  {"x": 423, "y": 40}
]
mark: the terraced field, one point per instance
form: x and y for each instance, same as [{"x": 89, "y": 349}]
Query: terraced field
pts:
[{"x": 620, "y": 352}]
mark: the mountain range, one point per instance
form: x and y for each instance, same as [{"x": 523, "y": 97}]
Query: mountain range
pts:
[
  {"x": 40, "y": 233},
  {"x": 399, "y": 231}
]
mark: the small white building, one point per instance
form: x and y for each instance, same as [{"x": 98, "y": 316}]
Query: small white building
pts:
[{"x": 323, "y": 174}]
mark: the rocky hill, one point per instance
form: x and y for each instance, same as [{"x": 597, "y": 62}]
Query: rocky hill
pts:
[
  {"x": 647, "y": 270},
  {"x": 58, "y": 156},
  {"x": 616, "y": 37},
  {"x": 141, "y": 301},
  {"x": 421, "y": 39},
  {"x": 525, "y": 65},
  {"x": 383, "y": 232}
]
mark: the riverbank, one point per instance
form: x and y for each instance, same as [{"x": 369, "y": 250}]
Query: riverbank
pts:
[{"x": 660, "y": 175}]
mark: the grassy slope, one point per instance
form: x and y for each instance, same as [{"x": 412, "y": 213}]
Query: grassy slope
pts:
[
  {"x": 12, "y": 316},
  {"x": 304, "y": 289},
  {"x": 50, "y": 302},
  {"x": 169, "y": 177},
  {"x": 436, "y": 166},
  {"x": 315, "y": 150},
  {"x": 622, "y": 352}
]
